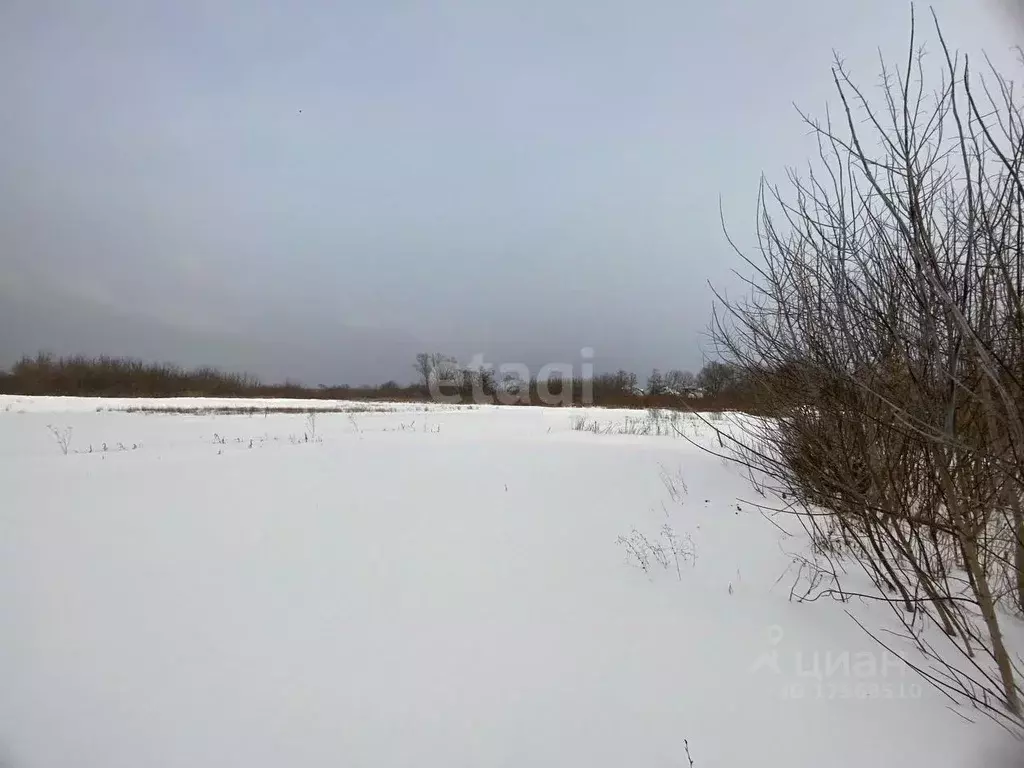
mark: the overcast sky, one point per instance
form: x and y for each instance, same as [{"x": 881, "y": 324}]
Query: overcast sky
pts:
[{"x": 322, "y": 189}]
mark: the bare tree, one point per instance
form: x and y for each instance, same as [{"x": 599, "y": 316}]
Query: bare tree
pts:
[
  {"x": 716, "y": 376},
  {"x": 626, "y": 380},
  {"x": 434, "y": 367},
  {"x": 425, "y": 364},
  {"x": 884, "y": 335},
  {"x": 680, "y": 380},
  {"x": 656, "y": 383}
]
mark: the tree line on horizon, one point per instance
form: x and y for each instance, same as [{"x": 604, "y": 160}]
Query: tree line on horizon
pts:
[{"x": 717, "y": 384}]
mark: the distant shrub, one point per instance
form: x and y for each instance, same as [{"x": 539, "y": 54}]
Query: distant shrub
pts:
[{"x": 105, "y": 376}]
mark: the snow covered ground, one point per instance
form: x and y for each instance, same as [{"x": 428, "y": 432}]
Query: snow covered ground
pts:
[{"x": 420, "y": 586}]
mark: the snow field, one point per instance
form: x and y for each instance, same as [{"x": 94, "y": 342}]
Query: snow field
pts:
[{"x": 419, "y": 587}]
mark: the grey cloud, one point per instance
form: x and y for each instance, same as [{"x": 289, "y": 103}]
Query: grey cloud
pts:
[{"x": 321, "y": 190}]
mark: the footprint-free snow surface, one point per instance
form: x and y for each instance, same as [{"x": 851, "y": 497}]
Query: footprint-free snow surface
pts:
[{"x": 423, "y": 586}]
